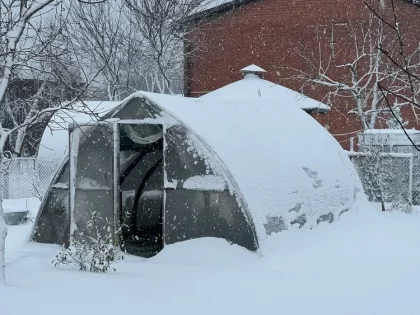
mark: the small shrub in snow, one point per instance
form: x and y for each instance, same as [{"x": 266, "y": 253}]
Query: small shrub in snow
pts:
[
  {"x": 400, "y": 205},
  {"x": 97, "y": 254}
]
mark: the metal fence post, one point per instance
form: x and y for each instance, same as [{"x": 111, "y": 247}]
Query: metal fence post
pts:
[
  {"x": 5, "y": 183},
  {"x": 410, "y": 181}
]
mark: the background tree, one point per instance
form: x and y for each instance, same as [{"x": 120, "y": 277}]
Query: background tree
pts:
[
  {"x": 30, "y": 48},
  {"x": 161, "y": 25},
  {"x": 99, "y": 33},
  {"x": 351, "y": 73},
  {"x": 387, "y": 14}
]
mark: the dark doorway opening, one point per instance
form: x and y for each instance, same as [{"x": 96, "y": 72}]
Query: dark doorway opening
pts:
[{"x": 141, "y": 191}]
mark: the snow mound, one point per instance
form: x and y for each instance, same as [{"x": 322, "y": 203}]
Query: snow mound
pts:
[{"x": 207, "y": 251}]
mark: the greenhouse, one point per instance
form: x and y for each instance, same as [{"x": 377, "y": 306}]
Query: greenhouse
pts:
[{"x": 161, "y": 169}]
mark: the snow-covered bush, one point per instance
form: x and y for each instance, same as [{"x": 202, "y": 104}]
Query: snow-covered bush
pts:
[
  {"x": 401, "y": 205},
  {"x": 93, "y": 254},
  {"x": 385, "y": 177}
]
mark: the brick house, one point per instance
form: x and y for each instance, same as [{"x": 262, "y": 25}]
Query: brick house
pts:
[{"x": 228, "y": 37}]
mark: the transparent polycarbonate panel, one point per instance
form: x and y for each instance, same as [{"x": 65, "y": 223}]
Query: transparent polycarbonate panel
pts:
[
  {"x": 140, "y": 137},
  {"x": 88, "y": 201},
  {"x": 142, "y": 134},
  {"x": 64, "y": 176},
  {"x": 193, "y": 214},
  {"x": 136, "y": 109},
  {"x": 52, "y": 225},
  {"x": 181, "y": 159},
  {"x": 94, "y": 164},
  {"x": 91, "y": 149}
]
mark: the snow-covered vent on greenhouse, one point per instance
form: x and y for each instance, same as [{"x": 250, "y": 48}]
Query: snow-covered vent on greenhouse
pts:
[{"x": 164, "y": 169}]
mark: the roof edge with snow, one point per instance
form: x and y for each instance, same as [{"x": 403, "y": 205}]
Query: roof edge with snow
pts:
[{"x": 222, "y": 8}]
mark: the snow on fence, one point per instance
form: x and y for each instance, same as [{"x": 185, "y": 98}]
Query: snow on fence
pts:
[
  {"x": 27, "y": 177},
  {"x": 389, "y": 176}
]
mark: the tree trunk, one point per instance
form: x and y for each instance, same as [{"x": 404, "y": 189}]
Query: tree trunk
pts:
[{"x": 19, "y": 141}]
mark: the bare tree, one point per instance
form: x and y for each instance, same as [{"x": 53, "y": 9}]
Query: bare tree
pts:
[
  {"x": 352, "y": 75},
  {"x": 99, "y": 32},
  {"x": 107, "y": 38},
  {"x": 30, "y": 49},
  {"x": 162, "y": 27},
  {"x": 388, "y": 15},
  {"x": 47, "y": 76},
  {"x": 15, "y": 17}
]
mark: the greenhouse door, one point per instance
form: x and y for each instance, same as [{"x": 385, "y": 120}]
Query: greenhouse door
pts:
[
  {"x": 141, "y": 187},
  {"x": 93, "y": 190}
]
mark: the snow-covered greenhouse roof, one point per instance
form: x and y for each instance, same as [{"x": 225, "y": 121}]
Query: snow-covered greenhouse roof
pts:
[
  {"x": 284, "y": 169},
  {"x": 287, "y": 169},
  {"x": 253, "y": 86}
]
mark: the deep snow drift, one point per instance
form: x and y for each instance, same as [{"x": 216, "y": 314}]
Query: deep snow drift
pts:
[{"x": 366, "y": 263}]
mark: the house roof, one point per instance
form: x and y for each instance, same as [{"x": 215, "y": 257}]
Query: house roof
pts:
[
  {"x": 252, "y": 86},
  {"x": 214, "y": 7}
]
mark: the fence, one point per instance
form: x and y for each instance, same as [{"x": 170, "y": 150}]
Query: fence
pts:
[
  {"x": 389, "y": 176},
  {"x": 27, "y": 177}
]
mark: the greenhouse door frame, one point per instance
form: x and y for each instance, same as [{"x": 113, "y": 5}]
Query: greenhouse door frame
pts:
[
  {"x": 114, "y": 126},
  {"x": 73, "y": 164}
]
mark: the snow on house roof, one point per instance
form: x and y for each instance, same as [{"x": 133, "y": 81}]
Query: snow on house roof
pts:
[
  {"x": 54, "y": 142},
  {"x": 254, "y": 87},
  {"x": 390, "y": 131},
  {"x": 283, "y": 165},
  {"x": 210, "y": 7},
  {"x": 252, "y": 69},
  {"x": 389, "y": 137},
  {"x": 210, "y": 4}
]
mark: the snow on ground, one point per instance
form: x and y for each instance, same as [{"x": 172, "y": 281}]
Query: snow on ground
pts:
[
  {"x": 22, "y": 205},
  {"x": 365, "y": 263}
]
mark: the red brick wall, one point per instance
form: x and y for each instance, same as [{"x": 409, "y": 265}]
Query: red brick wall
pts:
[{"x": 269, "y": 33}]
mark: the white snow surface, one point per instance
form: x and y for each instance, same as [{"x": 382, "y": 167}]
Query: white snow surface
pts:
[
  {"x": 390, "y": 131},
  {"x": 279, "y": 161},
  {"x": 55, "y": 139},
  {"x": 210, "y": 4},
  {"x": 205, "y": 182},
  {"x": 389, "y": 137},
  {"x": 366, "y": 263},
  {"x": 252, "y": 87},
  {"x": 21, "y": 205}
]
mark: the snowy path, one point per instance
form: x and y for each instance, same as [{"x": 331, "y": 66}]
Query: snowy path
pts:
[{"x": 364, "y": 264}]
